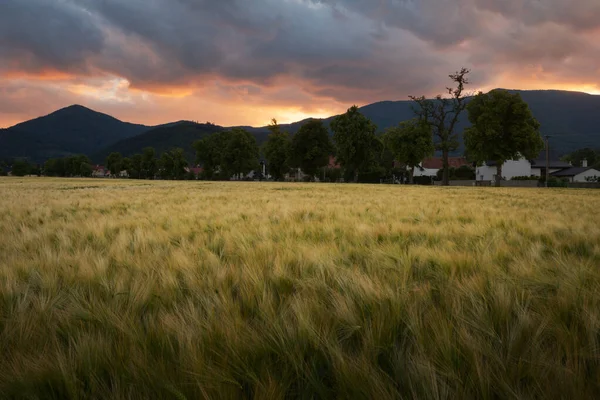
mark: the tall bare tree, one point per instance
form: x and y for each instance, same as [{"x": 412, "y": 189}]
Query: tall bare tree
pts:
[{"x": 442, "y": 115}]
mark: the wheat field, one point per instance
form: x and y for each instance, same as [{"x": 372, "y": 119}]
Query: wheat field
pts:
[{"x": 119, "y": 289}]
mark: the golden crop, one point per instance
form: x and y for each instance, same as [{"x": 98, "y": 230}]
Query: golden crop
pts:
[{"x": 138, "y": 289}]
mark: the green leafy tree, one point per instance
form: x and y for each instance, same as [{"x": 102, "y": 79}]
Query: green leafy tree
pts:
[
  {"x": 410, "y": 143},
  {"x": 209, "y": 153},
  {"x": 36, "y": 169},
  {"x": 71, "y": 166},
  {"x": 127, "y": 165},
  {"x": 172, "y": 164},
  {"x": 179, "y": 163},
  {"x": 114, "y": 162},
  {"x": 240, "y": 155},
  {"x": 165, "y": 165},
  {"x": 149, "y": 162},
  {"x": 21, "y": 167},
  {"x": 136, "y": 166},
  {"x": 85, "y": 169},
  {"x": 442, "y": 114},
  {"x": 503, "y": 128},
  {"x": 54, "y": 167},
  {"x": 310, "y": 148},
  {"x": 83, "y": 166},
  {"x": 277, "y": 150},
  {"x": 354, "y": 136},
  {"x": 590, "y": 155}
]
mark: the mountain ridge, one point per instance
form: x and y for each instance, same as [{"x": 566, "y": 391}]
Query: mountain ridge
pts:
[{"x": 571, "y": 117}]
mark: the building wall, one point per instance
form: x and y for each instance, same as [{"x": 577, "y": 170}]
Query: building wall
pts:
[
  {"x": 426, "y": 172},
  {"x": 581, "y": 177},
  {"x": 538, "y": 171},
  {"x": 510, "y": 169}
]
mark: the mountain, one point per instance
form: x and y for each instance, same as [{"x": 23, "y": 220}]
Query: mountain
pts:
[
  {"x": 71, "y": 130},
  {"x": 181, "y": 134},
  {"x": 16, "y": 143},
  {"x": 572, "y": 118}
]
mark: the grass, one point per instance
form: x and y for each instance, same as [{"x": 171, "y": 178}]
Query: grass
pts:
[{"x": 124, "y": 290}]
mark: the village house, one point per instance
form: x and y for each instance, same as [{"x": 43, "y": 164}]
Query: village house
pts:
[
  {"x": 195, "y": 170},
  {"x": 579, "y": 174},
  {"x": 535, "y": 168},
  {"x": 431, "y": 166},
  {"x": 99, "y": 171}
]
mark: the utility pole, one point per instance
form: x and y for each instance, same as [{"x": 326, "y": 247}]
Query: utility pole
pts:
[{"x": 547, "y": 159}]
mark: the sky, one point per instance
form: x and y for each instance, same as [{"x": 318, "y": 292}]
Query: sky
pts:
[{"x": 243, "y": 62}]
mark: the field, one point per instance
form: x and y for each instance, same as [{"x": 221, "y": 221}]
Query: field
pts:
[{"x": 137, "y": 289}]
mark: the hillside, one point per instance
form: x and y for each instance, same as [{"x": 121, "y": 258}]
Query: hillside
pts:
[
  {"x": 70, "y": 130},
  {"x": 15, "y": 144},
  {"x": 572, "y": 118},
  {"x": 181, "y": 134}
]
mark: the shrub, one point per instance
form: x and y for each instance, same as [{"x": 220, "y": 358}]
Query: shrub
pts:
[{"x": 423, "y": 180}]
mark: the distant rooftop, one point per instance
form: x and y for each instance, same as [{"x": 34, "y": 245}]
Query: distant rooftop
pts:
[{"x": 572, "y": 171}]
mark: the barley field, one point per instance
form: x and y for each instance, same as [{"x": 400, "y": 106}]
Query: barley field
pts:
[{"x": 116, "y": 289}]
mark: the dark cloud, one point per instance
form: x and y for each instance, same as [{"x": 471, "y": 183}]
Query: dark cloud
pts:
[
  {"x": 42, "y": 34},
  {"x": 351, "y": 51},
  {"x": 577, "y": 15}
]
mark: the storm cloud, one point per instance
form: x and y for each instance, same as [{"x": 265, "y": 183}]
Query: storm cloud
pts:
[{"x": 304, "y": 56}]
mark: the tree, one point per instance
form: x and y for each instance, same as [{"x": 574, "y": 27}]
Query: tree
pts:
[
  {"x": 240, "y": 155},
  {"x": 21, "y": 167},
  {"x": 165, "y": 165},
  {"x": 55, "y": 167},
  {"x": 277, "y": 149},
  {"x": 172, "y": 164},
  {"x": 442, "y": 115},
  {"x": 179, "y": 163},
  {"x": 410, "y": 143},
  {"x": 354, "y": 135},
  {"x": 127, "y": 165},
  {"x": 209, "y": 153},
  {"x": 503, "y": 128},
  {"x": 71, "y": 167},
  {"x": 310, "y": 148},
  {"x": 85, "y": 169},
  {"x": 149, "y": 162},
  {"x": 590, "y": 155},
  {"x": 114, "y": 162},
  {"x": 136, "y": 166}
]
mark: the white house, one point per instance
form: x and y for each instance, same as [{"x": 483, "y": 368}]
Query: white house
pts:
[
  {"x": 538, "y": 167},
  {"x": 431, "y": 166},
  {"x": 510, "y": 169},
  {"x": 579, "y": 174},
  {"x": 521, "y": 167}
]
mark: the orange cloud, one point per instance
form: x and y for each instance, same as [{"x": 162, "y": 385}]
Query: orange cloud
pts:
[{"x": 43, "y": 75}]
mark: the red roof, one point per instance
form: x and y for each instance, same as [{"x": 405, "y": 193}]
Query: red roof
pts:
[
  {"x": 333, "y": 163},
  {"x": 437, "y": 163}
]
